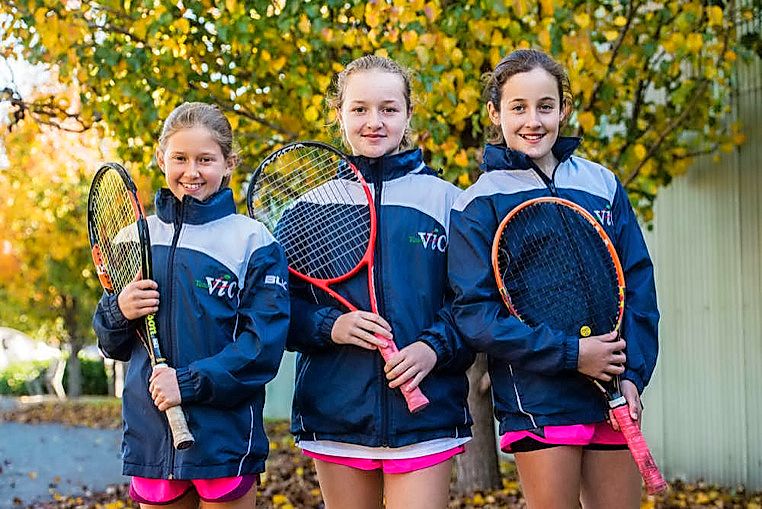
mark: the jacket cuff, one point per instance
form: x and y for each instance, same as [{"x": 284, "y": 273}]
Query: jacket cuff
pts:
[
  {"x": 114, "y": 317},
  {"x": 438, "y": 347},
  {"x": 326, "y": 325},
  {"x": 186, "y": 382},
  {"x": 633, "y": 377},
  {"x": 571, "y": 353}
]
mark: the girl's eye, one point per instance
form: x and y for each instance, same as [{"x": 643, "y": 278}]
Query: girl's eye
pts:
[
  {"x": 358, "y": 109},
  {"x": 518, "y": 107},
  {"x": 546, "y": 107},
  {"x": 178, "y": 158}
]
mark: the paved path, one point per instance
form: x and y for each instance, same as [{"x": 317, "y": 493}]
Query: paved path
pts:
[{"x": 37, "y": 460}]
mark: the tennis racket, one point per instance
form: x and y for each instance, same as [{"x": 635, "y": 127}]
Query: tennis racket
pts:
[
  {"x": 320, "y": 209},
  {"x": 555, "y": 265},
  {"x": 121, "y": 248}
]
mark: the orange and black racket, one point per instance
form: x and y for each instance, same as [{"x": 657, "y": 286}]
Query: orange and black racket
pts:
[
  {"x": 320, "y": 209},
  {"x": 555, "y": 265},
  {"x": 121, "y": 249}
]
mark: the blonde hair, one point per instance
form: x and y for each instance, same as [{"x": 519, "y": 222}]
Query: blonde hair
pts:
[
  {"x": 209, "y": 116},
  {"x": 523, "y": 60},
  {"x": 335, "y": 97}
]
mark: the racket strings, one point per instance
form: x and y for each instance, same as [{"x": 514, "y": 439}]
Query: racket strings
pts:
[
  {"x": 557, "y": 271},
  {"x": 316, "y": 207},
  {"x": 115, "y": 229}
]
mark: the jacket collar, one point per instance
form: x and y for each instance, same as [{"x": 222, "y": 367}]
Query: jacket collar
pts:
[
  {"x": 500, "y": 157},
  {"x": 217, "y": 206},
  {"x": 392, "y": 166}
]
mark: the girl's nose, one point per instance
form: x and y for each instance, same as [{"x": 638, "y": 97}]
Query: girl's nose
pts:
[{"x": 374, "y": 119}]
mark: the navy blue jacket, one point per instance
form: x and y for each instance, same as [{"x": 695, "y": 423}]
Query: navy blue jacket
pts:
[
  {"x": 222, "y": 320},
  {"x": 341, "y": 390},
  {"x": 533, "y": 371}
]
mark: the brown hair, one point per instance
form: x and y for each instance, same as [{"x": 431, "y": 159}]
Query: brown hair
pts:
[
  {"x": 522, "y": 60},
  {"x": 335, "y": 97},
  {"x": 209, "y": 116}
]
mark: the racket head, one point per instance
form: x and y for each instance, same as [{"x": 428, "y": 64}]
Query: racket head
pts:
[
  {"x": 555, "y": 265},
  {"x": 319, "y": 208},
  {"x": 117, "y": 228}
]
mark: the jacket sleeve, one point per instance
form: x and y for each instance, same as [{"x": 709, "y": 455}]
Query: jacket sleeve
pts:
[
  {"x": 116, "y": 334},
  {"x": 311, "y": 323},
  {"x": 246, "y": 364},
  {"x": 445, "y": 339},
  {"x": 641, "y": 315},
  {"x": 480, "y": 313}
]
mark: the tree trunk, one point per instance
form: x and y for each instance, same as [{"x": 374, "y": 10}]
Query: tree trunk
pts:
[
  {"x": 478, "y": 468},
  {"x": 74, "y": 371},
  {"x": 71, "y": 324}
]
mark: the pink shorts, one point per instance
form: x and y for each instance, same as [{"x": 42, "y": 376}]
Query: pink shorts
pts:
[
  {"x": 599, "y": 435},
  {"x": 397, "y": 466},
  {"x": 166, "y": 491}
]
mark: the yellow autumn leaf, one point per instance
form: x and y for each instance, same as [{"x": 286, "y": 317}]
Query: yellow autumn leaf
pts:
[
  {"x": 544, "y": 39},
  {"x": 372, "y": 15},
  {"x": 280, "y": 499},
  {"x": 461, "y": 158},
  {"x": 410, "y": 40},
  {"x": 640, "y": 151},
  {"x": 464, "y": 179},
  {"x": 311, "y": 114},
  {"x": 586, "y": 120},
  {"x": 582, "y": 19},
  {"x": 714, "y": 14},
  {"x": 694, "y": 42},
  {"x": 611, "y": 35},
  {"x": 304, "y": 24}
]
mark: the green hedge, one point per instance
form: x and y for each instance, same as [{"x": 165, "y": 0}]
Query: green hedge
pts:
[{"x": 24, "y": 378}]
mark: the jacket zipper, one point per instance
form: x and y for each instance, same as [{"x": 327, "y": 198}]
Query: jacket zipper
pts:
[
  {"x": 549, "y": 182},
  {"x": 378, "y": 184},
  {"x": 178, "y": 224}
]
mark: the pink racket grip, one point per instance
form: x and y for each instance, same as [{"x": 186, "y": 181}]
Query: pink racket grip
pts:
[
  {"x": 652, "y": 477},
  {"x": 415, "y": 399}
]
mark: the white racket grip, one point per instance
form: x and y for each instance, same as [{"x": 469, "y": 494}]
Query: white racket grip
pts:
[{"x": 181, "y": 435}]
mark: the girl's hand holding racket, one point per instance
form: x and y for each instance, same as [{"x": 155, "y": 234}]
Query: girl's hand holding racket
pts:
[
  {"x": 601, "y": 357},
  {"x": 411, "y": 364},
  {"x": 139, "y": 298},
  {"x": 635, "y": 407},
  {"x": 164, "y": 388},
  {"x": 363, "y": 329}
]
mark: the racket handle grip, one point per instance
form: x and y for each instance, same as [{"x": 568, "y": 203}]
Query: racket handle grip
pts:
[
  {"x": 415, "y": 399},
  {"x": 652, "y": 477},
  {"x": 181, "y": 435},
  {"x": 182, "y": 438}
]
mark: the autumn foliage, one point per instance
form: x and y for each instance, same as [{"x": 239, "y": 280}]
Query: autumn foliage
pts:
[{"x": 651, "y": 80}]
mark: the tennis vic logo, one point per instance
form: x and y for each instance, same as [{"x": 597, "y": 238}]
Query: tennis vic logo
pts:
[
  {"x": 222, "y": 286},
  {"x": 435, "y": 240},
  {"x": 604, "y": 216}
]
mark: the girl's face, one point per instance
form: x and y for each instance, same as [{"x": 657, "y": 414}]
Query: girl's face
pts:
[
  {"x": 193, "y": 163},
  {"x": 530, "y": 114},
  {"x": 374, "y": 113}
]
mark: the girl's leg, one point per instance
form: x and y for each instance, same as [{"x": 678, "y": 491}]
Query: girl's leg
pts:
[
  {"x": 550, "y": 478},
  {"x": 248, "y": 501},
  {"x": 609, "y": 479},
  {"x": 427, "y": 488},
  {"x": 345, "y": 487},
  {"x": 188, "y": 501}
]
